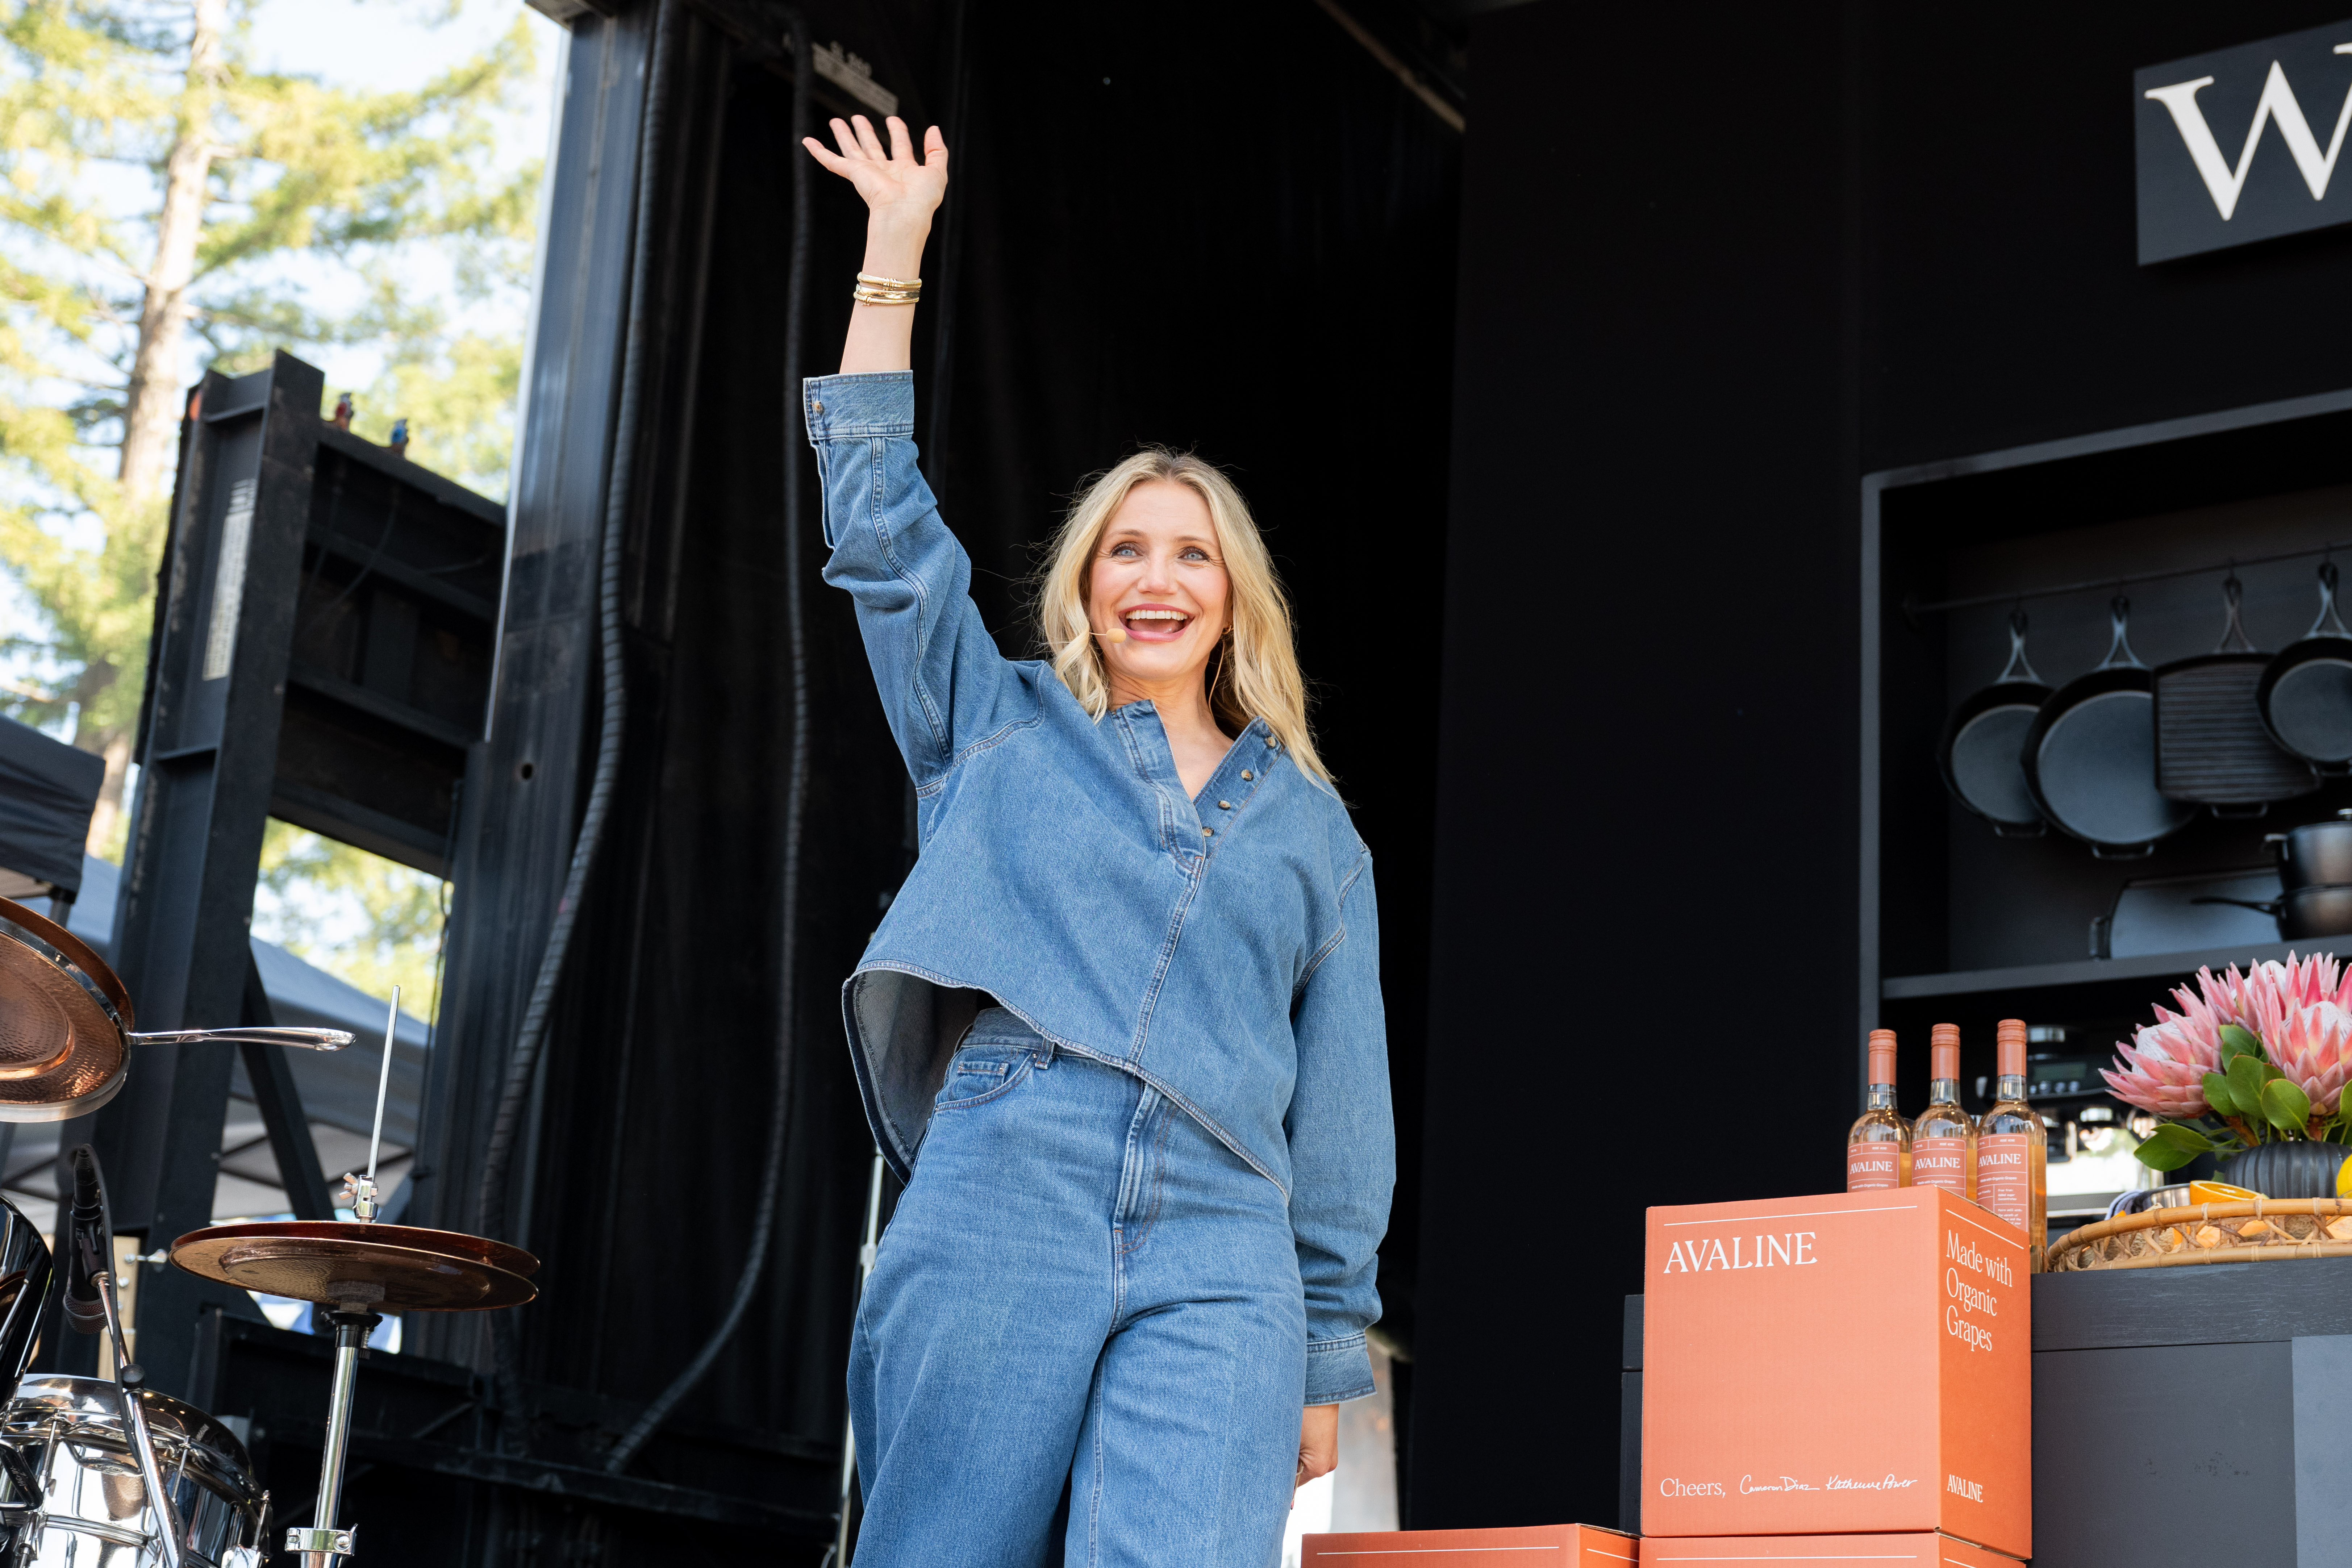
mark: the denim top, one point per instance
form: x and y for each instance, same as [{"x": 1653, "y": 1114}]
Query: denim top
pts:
[{"x": 1226, "y": 950}]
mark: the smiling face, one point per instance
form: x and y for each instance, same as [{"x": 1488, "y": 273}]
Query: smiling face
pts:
[{"x": 1158, "y": 576}]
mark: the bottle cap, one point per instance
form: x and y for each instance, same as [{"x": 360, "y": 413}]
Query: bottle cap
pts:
[
  {"x": 1943, "y": 1053},
  {"x": 1882, "y": 1055},
  {"x": 2009, "y": 1042}
]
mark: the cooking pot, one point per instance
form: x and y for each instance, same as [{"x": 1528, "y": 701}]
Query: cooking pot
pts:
[
  {"x": 2322, "y": 910},
  {"x": 2315, "y": 853},
  {"x": 65, "y": 1024}
]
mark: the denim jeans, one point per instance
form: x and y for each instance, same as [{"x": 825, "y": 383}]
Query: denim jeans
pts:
[{"x": 1080, "y": 1284}]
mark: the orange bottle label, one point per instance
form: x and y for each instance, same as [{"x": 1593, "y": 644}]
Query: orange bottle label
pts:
[
  {"x": 2005, "y": 1176},
  {"x": 1940, "y": 1162},
  {"x": 1872, "y": 1167}
]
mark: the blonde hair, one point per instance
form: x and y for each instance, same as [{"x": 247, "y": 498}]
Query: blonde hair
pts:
[{"x": 1253, "y": 673}]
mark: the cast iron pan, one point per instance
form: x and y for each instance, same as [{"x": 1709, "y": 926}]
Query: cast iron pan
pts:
[
  {"x": 2090, "y": 755},
  {"x": 1978, "y": 753},
  {"x": 2211, "y": 745},
  {"x": 2322, "y": 910},
  {"x": 2306, "y": 695}
]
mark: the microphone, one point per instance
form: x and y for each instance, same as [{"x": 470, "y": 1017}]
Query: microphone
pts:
[{"x": 90, "y": 1245}]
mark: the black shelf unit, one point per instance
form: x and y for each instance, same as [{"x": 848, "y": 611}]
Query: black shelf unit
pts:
[{"x": 1955, "y": 922}]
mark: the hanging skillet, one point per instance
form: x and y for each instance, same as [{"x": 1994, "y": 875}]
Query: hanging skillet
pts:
[
  {"x": 2090, "y": 754},
  {"x": 2306, "y": 695},
  {"x": 65, "y": 1023},
  {"x": 2211, "y": 745},
  {"x": 1979, "y": 751}
]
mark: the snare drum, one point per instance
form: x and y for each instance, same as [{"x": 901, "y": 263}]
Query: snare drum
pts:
[{"x": 91, "y": 1512}]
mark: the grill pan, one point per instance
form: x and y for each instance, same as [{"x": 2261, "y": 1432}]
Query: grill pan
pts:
[
  {"x": 2306, "y": 694},
  {"x": 1978, "y": 751},
  {"x": 2090, "y": 754},
  {"x": 2211, "y": 747}
]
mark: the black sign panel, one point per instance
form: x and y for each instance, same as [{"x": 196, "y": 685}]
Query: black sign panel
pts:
[{"x": 2242, "y": 144}]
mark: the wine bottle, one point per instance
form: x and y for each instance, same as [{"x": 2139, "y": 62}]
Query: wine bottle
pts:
[
  {"x": 2013, "y": 1148},
  {"x": 1878, "y": 1149},
  {"x": 1944, "y": 1138}
]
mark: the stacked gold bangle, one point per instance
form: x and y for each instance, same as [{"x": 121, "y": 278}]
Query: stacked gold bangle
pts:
[{"x": 873, "y": 290}]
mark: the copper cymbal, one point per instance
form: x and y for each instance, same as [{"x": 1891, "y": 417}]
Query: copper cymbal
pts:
[{"x": 382, "y": 1268}]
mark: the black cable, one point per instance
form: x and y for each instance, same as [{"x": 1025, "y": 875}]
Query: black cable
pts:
[
  {"x": 498, "y": 1163},
  {"x": 771, "y": 1178}
]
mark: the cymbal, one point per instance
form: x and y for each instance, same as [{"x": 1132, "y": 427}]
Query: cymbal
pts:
[{"x": 361, "y": 1266}]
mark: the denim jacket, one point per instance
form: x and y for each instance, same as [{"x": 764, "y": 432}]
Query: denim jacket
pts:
[{"x": 1225, "y": 949}]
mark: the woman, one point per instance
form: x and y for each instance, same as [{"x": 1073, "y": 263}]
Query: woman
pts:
[{"x": 1126, "y": 1009}]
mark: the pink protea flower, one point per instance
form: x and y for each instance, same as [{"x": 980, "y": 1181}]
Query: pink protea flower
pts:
[
  {"x": 2163, "y": 1067},
  {"x": 2311, "y": 1045},
  {"x": 2269, "y": 988}
]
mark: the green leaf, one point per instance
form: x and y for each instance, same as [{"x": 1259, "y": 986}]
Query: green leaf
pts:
[
  {"x": 2286, "y": 1105},
  {"x": 2272, "y": 1074},
  {"x": 2179, "y": 1135},
  {"x": 2218, "y": 1095},
  {"x": 2161, "y": 1156},
  {"x": 2237, "y": 1041},
  {"x": 2245, "y": 1077}
]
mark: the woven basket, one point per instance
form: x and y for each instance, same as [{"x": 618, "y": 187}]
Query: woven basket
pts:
[{"x": 2264, "y": 1230}]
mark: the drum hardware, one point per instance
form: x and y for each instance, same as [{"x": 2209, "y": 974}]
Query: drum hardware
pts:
[
  {"x": 358, "y": 1268},
  {"x": 91, "y": 1306},
  {"x": 65, "y": 1024}
]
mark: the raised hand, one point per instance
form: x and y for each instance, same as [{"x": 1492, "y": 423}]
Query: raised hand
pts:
[
  {"x": 896, "y": 186},
  {"x": 902, "y": 193}
]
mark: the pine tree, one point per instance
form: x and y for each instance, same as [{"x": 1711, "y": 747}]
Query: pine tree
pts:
[{"x": 247, "y": 178}]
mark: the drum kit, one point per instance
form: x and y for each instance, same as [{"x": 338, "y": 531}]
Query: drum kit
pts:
[{"x": 108, "y": 1473}]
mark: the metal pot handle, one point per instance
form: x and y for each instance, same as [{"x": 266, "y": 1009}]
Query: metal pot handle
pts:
[
  {"x": 2233, "y": 637},
  {"x": 301, "y": 1039},
  {"x": 2330, "y": 622},
  {"x": 2119, "y": 652},
  {"x": 2271, "y": 908},
  {"x": 2018, "y": 668}
]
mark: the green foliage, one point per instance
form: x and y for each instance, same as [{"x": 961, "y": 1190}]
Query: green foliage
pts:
[
  {"x": 2172, "y": 1146},
  {"x": 308, "y": 182},
  {"x": 2284, "y": 1104},
  {"x": 2238, "y": 1040},
  {"x": 372, "y": 922}
]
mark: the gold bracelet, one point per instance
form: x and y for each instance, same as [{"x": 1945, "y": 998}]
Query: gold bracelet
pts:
[
  {"x": 866, "y": 296},
  {"x": 872, "y": 281}
]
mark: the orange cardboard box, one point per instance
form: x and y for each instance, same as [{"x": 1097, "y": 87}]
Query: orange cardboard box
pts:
[
  {"x": 1859, "y": 1363},
  {"x": 1534, "y": 1546},
  {"x": 1929, "y": 1551}
]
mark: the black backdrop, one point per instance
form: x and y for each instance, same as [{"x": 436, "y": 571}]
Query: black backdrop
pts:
[
  {"x": 1223, "y": 227},
  {"x": 1717, "y": 264}
]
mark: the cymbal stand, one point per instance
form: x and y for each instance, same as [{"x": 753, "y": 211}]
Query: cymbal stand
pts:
[{"x": 322, "y": 1542}]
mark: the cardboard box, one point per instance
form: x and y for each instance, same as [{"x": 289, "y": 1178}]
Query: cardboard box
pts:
[
  {"x": 1534, "y": 1546},
  {"x": 1928, "y": 1551},
  {"x": 1855, "y": 1363}
]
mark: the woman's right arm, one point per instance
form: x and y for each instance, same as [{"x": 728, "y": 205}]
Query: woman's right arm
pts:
[{"x": 943, "y": 683}]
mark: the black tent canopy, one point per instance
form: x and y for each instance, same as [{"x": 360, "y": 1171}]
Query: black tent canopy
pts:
[{"x": 48, "y": 791}]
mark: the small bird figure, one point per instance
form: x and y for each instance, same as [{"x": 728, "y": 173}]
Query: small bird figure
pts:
[
  {"x": 344, "y": 412},
  {"x": 400, "y": 438}
]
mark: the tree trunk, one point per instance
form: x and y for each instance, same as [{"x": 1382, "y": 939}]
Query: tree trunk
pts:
[{"x": 151, "y": 411}]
